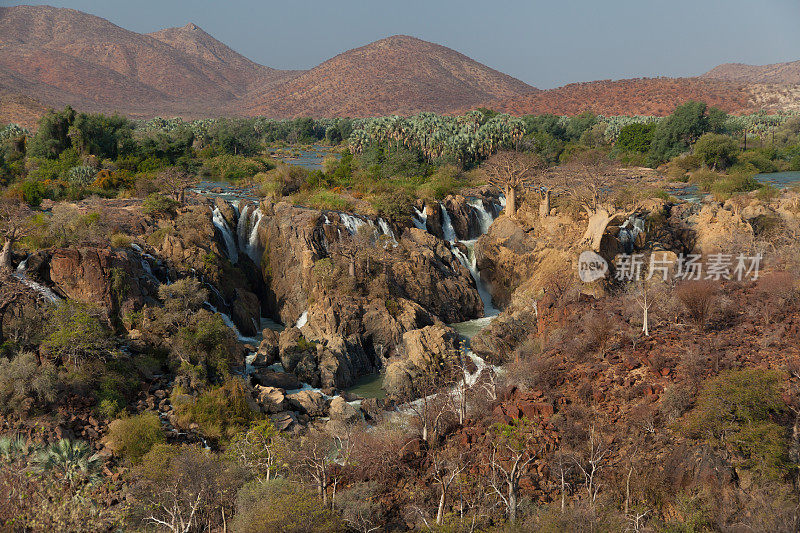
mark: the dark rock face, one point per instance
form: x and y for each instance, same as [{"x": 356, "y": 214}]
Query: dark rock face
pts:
[
  {"x": 110, "y": 279},
  {"x": 418, "y": 348},
  {"x": 280, "y": 380}
]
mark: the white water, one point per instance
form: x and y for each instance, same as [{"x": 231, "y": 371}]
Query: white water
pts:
[
  {"x": 447, "y": 226},
  {"x": 222, "y": 226},
  {"x": 386, "y": 230},
  {"x": 351, "y": 222},
  {"x": 471, "y": 264},
  {"x": 484, "y": 217},
  {"x": 229, "y": 322},
  {"x": 48, "y": 294},
  {"x": 302, "y": 320},
  {"x": 421, "y": 219},
  {"x": 241, "y": 228},
  {"x": 252, "y": 246}
]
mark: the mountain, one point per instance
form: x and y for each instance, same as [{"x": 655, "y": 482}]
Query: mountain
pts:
[
  {"x": 639, "y": 96},
  {"x": 60, "y": 56},
  {"x": 774, "y": 74},
  {"x": 65, "y": 56},
  {"x": 396, "y": 75}
]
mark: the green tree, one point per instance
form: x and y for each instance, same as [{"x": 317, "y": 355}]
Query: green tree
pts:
[
  {"x": 636, "y": 137},
  {"x": 717, "y": 151},
  {"x": 133, "y": 437},
  {"x": 676, "y": 133},
  {"x": 76, "y": 333},
  {"x": 52, "y": 136}
]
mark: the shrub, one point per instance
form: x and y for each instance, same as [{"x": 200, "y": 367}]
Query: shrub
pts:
[
  {"x": 23, "y": 383},
  {"x": 133, "y": 437},
  {"x": 120, "y": 240},
  {"x": 157, "y": 205},
  {"x": 281, "y": 506},
  {"x": 220, "y": 412},
  {"x": 698, "y": 297},
  {"x": 76, "y": 333},
  {"x": 737, "y": 409}
]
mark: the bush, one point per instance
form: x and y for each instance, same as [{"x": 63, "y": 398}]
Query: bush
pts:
[
  {"x": 737, "y": 409},
  {"x": 133, "y": 437},
  {"x": 23, "y": 383},
  {"x": 220, "y": 412},
  {"x": 698, "y": 297},
  {"x": 157, "y": 205},
  {"x": 76, "y": 333},
  {"x": 281, "y": 506},
  {"x": 120, "y": 240}
]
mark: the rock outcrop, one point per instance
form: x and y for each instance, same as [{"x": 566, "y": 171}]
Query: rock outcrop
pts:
[{"x": 419, "y": 350}]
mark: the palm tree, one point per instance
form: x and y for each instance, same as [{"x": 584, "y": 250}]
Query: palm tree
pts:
[{"x": 72, "y": 461}]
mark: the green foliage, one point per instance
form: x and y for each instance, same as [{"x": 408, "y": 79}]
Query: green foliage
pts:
[
  {"x": 76, "y": 333},
  {"x": 52, "y": 136},
  {"x": 676, "y": 133},
  {"x": 221, "y": 412},
  {"x": 738, "y": 409},
  {"x": 636, "y": 137},
  {"x": 158, "y": 205},
  {"x": 71, "y": 461},
  {"x": 281, "y": 506},
  {"x": 24, "y": 383},
  {"x": 233, "y": 167},
  {"x": 717, "y": 151},
  {"x": 133, "y": 437},
  {"x": 257, "y": 449}
]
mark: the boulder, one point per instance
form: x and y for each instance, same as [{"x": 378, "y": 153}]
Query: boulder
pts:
[
  {"x": 341, "y": 411},
  {"x": 267, "y": 352},
  {"x": 311, "y": 403},
  {"x": 299, "y": 356},
  {"x": 284, "y": 421},
  {"x": 281, "y": 380},
  {"x": 246, "y": 312},
  {"x": 419, "y": 349},
  {"x": 271, "y": 399}
]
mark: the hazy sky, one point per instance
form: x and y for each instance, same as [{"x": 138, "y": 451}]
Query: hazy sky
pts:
[{"x": 544, "y": 43}]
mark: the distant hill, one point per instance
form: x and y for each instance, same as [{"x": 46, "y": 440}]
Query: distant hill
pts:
[
  {"x": 396, "y": 75},
  {"x": 775, "y": 74},
  {"x": 640, "y": 96}
]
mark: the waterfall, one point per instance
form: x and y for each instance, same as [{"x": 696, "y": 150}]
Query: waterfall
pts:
[
  {"x": 484, "y": 217},
  {"x": 447, "y": 226},
  {"x": 628, "y": 232},
  {"x": 229, "y": 322},
  {"x": 421, "y": 219},
  {"x": 471, "y": 264},
  {"x": 46, "y": 292},
  {"x": 252, "y": 249},
  {"x": 302, "y": 320},
  {"x": 222, "y": 226},
  {"x": 386, "y": 229},
  {"x": 352, "y": 223},
  {"x": 241, "y": 228}
]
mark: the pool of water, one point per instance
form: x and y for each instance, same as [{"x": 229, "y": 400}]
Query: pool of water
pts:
[
  {"x": 369, "y": 386},
  {"x": 310, "y": 159},
  {"x": 780, "y": 180}
]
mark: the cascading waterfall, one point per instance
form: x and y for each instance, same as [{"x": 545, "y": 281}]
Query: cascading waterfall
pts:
[
  {"x": 242, "y": 228},
  {"x": 628, "y": 232},
  {"x": 352, "y": 223},
  {"x": 484, "y": 217},
  {"x": 386, "y": 229},
  {"x": 447, "y": 226},
  {"x": 302, "y": 320},
  {"x": 252, "y": 249},
  {"x": 420, "y": 219},
  {"x": 227, "y": 235},
  {"x": 46, "y": 292}
]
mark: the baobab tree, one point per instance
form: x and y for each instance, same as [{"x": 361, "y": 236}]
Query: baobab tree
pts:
[
  {"x": 14, "y": 225},
  {"x": 174, "y": 181},
  {"x": 510, "y": 171},
  {"x": 589, "y": 180}
]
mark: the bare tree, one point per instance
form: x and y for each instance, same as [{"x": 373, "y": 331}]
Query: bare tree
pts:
[
  {"x": 448, "y": 463},
  {"x": 591, "y": 463},
  {"x": 312, "y": 459},
  {"x": 509, "y": 171},
  {"x": 512, "y": 455},
  {"x": 175, "y": 181},
  {"x": 14, "y": 225}
]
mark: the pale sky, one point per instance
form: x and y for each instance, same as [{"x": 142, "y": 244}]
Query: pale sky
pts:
[{"x": 544, "y": 43}]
